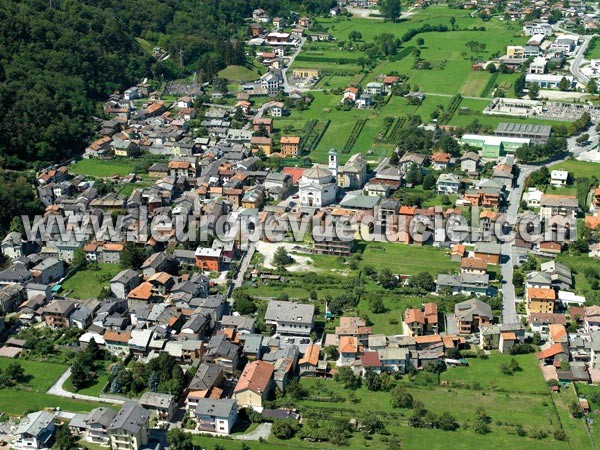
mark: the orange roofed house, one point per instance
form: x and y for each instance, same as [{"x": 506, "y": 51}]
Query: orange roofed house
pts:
[
  {"x": 308, "y": 364},
  {"x": 254, "y": 385},
  {"x": 541, "y": 300},
  {"x": 290, "y": 145},
  {"x": 420, "y": 322}
]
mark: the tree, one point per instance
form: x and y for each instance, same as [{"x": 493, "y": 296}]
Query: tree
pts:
[
  {"x": 452, "y": 21},
  {"x": 391, "y": 9},
  {"x": 373, "y": 380},
  {"x": 281, "y": 258},
  {"x": 355, "y": 35},
  {"x": 346, "y": 376},
  {"x": 401, "y": 398},
  {"x": 534, "y": 90},
  {"x": 372, "y": 424},
  {"x": 519, "y": 85},
  {"x": 575, "y": 409},
  {"x": 243, "y": 303},
  {"x": 332, "y": 352},
  {"x": 416, "y": 53},
  {"x": 79, "y": 259},
  {"x": 80, "y": 375},
  {"x": 179, "y": 440},
  {"x": 94, "y": 350},
  {"x": 422, "y": 280},
  {"x": 15, "y": 372},
  {"x": 153, "y": 382},
  {"x": 429, "y": 181},
  {"x": 583, "y": 138},
  {"x": 284, "y": 429},
  {"x": 592, "y": 86},
  {"x": 564, "y": 84},
  {"x": 376, "y": 305},
  {"x": 132, "y": 256},
  {"x": 447, "y": 422},
  {"x": 420, "y": 42},
  {"x": 64, "y": 440}
]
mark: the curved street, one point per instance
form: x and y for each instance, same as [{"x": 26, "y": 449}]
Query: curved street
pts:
[{"x": 57, "y": 389}]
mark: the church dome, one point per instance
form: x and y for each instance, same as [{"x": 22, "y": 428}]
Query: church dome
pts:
[{"x": 317, "y": 173}]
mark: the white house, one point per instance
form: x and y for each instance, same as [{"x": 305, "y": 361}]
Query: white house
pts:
[
  {"x": 216, "y": 416},
  {"x": 532, "y": 197},
  {"x": 34, "y": 431},
  {"x": 559, "y": 177}
]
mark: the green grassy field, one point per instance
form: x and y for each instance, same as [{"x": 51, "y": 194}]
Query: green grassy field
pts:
[
  {"x": 486, "y": 372},
  {"x": 40, "y": 375},
  {"x": 239, "y": 73},
  {"x": 30, "y": 395},
  {"x": 99, "y": 168},
  {"x": 89, "y": 283},
  {"x": 407, "y": 259},
  {"x": 578, "y": 264},
  {"x": 94, "y": 389},
  {"x": 579, "y": 169},
  {"x": 19, "y": 402}
]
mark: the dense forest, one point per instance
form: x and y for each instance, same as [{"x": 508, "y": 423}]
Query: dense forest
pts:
[{"x": 59, "y": 57}]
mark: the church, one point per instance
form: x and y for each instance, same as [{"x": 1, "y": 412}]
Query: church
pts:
[{"x": 318, "y": 185}]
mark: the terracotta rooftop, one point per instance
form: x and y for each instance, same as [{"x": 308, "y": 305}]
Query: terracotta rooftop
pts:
[{"x": 255, "y": 377}]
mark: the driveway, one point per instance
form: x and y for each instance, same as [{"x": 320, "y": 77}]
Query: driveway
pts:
[
  {"x": 262, "y": 431},
  {"x": 57, "y": 389}
]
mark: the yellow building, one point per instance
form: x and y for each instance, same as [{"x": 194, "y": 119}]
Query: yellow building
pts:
[
  {"x": 306, "y": 73},
  {"x": 541, "y": 300},
  {"x": 254, "y": 384}
]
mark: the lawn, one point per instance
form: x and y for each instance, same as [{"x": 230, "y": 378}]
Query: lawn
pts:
[
  {"x": 89, "y": 283},
  {"x": 486, "y": 372},
  {"x": 40, "y": 375},
  {"x": 239, "y": 73},
  {"x": 14, "y": 401},
  {"x": 579, "y": 169},
  {"x": 100, "y": 168},
  {"x": 578, "y": 265},
  {"x": 406, "y": 259},
  {"x": 95, "y": 389},
  {"x": 532, "y": 411},
  {"x": 475, "y": 83}
]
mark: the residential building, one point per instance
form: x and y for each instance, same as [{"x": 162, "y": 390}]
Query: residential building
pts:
[
  {"x": 471, "y": 315},
  {"x": 209, "y": 259},
  {"x": 290, "y": 318},
  {"x": 129, "y": 428},
  {"x": 254, "y": 385},
  {"x": 97, "y": 423},
  {"x": 541, "y": 300},
  {"x": 448, "y": 183},
  {"x": 58, "y": 312},
  {"x": 216, "y": 415},
  {"x": 558, "y": 205},
  {"x": 490, "y": 252},
  {"x": 34, "y": 431},
  {"x": 290, "y": 146},
  {"x": 163, "y": 406}
]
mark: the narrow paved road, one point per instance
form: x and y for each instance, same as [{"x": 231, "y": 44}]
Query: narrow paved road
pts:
[
  {"x": 509, "y": 308},
  {"x": 57, "y": 389},
  {"x": 576, "y": 63},
  {"x": 244, "y": 263},
  {"x": 286, "y": 85}
]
